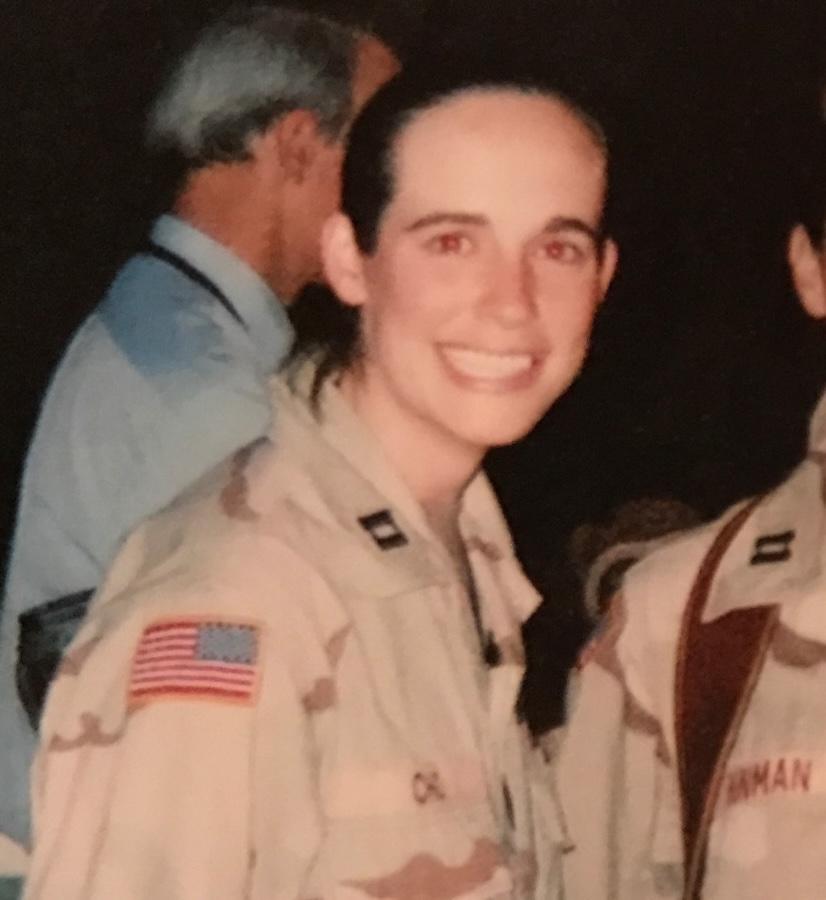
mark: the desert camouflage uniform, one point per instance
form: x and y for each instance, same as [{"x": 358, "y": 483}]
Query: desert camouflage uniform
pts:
[
  {"x": 618, "y": 770},
  {"x": 279, "y": 693}
]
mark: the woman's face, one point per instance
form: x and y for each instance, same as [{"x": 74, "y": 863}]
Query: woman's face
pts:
[{"x": 477, "y": 304}]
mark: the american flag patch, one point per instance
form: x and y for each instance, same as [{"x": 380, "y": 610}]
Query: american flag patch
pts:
[{"x": 195, "y": 659}]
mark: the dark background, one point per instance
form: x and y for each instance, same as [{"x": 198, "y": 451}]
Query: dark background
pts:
[{"x": 703, "y": 370}]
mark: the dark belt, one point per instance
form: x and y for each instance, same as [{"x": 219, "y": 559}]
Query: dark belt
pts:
[{"x": 45, "y": 632}]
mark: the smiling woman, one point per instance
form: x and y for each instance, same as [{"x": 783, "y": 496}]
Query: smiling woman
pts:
[
  {"x": 327, "y": 628},
  {"x": 476, "y": 302},
  {"x": 476, "y": 280}
]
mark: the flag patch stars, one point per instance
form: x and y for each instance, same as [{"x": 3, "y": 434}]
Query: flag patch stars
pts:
[
  {"x": 382, "y": 527},
  {"x": 197, "y": 660}
]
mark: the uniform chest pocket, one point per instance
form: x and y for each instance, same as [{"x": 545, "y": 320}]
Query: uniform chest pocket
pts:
[
  {"x": 402, "y": 788},
  {"x": 779, "y": 756}
]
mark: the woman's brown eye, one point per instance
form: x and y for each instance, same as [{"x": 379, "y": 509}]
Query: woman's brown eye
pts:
[
  {"x": 449, "y": 243},
  {"x": 562, "y": 251}
]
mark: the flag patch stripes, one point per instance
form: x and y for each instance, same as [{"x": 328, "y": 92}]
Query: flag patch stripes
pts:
[{"x": 195, "y": 659}]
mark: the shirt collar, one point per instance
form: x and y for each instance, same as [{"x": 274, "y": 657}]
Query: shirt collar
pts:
[
  {"x": 264, "y": 316},
  {"x": 364, "y": 482},
  {"x": 777, "y": 556},
  {"x": 345, "y": 430}
]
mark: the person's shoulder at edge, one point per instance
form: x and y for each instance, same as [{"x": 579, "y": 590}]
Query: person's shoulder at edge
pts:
[
  {"x": 656, "y": 589},
  {"x": 214, "y": 552},
  {"x": 155, "y": 351},
  {"x": 162, "y": 323},
  {"x": 153, "y": 340},
  {"x": 250, "y": 496}
]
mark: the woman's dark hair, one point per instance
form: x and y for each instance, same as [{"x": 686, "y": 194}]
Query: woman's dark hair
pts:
[
  {"x": 368, "y": 179},
  {"x": 812, "y": 200}
]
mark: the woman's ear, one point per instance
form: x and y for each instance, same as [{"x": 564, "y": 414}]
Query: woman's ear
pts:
[
  {"x": 343, "y": 262},
  {"x": 608, "y": 265},
  {"x": 808, "y": 269}
]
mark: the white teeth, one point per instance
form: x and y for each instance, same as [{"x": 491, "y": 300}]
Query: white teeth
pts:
[{"x": 478, "y": 364}]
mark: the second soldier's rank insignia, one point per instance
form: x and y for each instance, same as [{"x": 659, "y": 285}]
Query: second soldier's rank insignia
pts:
[
  {"x": 771, "y": 548},
  {"x": 382, "y": 527}
]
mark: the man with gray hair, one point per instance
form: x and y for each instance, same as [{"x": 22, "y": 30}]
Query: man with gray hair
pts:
[{"x": 169, "y": 374}]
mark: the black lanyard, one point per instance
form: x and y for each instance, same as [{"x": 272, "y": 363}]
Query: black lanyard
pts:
[
  {"x": 193, "y": 274},
  {"x": 490, "y": 649}
]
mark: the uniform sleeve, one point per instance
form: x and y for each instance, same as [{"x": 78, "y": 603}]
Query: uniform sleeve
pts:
[
  {"x": 614, "y": 776},
  {"x": 150, "y": 781}
]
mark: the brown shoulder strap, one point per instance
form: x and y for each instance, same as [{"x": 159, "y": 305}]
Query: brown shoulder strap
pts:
[{"x": 717, "y": 666}]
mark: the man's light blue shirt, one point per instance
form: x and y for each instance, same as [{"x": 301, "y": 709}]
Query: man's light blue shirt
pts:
[{"x": 159, "y": 384}]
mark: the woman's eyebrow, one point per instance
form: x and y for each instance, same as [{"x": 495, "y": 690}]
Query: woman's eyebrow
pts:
[
  {"x": 567, "y": 223},
  {"x": 447, "y": 218}
]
